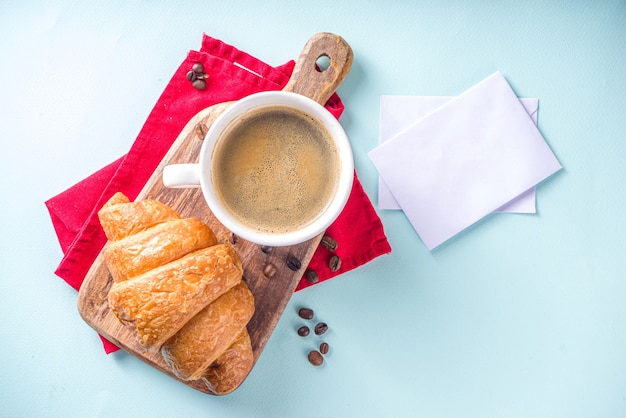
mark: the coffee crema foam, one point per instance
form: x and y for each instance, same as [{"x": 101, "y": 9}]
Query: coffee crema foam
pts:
[{"x": 275, "y": 169}]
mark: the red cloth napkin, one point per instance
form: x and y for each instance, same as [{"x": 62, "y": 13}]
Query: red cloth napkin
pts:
[{"x": 233, "y": 74}]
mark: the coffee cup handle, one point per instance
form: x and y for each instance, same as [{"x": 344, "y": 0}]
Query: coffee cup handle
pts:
[{"x": 178, "y": 176}]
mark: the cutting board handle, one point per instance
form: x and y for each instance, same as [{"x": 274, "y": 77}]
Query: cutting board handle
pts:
[{"x": 308, "y": 80}]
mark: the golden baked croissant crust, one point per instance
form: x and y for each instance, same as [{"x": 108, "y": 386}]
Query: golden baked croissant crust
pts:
[
  {"x": 159, "y": 302},
  {"x": 120, "y": 217},
  {"x": 224, "y": 375},
  {"x": 179, "y": 291},
  {"x": 207, "y": 336},
  {"x": 138, "y": 253}
]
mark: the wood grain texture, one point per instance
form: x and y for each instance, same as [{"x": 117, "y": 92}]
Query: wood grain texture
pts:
[
  {"x": 271, "y": 294},
  {"x": 308, "y": 80}
]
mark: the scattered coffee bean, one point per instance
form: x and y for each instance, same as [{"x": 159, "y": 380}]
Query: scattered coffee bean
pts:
[
  {"x": 198, "y": 68},
  {"x": 303, "y": 331},
  {"x": 334, "y": 263},
  {"x": 199, "y": 84},
  {"x": 311, "y": 276},
  {"x": 324, "y": 348},
  {"x": 197, "y": 76},
  {"x": 320, "y": 328},
  {"x": 315, "y": 358},
  {"x": 201, "y": 130},
  {"x": 329, "y": 243},
  {"x": 266, "y": 249},
  {"x": 293, "y": 263},
  {"x": 234, "y": 238},
  {"x": 192, "y": 76},
  {"x": 306, "y": 313},
  {"x": 269, "y": 270}
]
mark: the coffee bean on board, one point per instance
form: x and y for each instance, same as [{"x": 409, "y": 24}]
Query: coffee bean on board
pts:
[
  {"x": 269, "y": 270},
  {"x": 324, "y": 348},
  {"x": 303, "y": 331},
  {"x": 329, "y": 243},
  {"x": 201, "y": 130},
  {"x": 334, "y": 263},
  {"x": 306, "y": 313},
  {"x": 293, "y": 263},
  {"x": 311, "y": 276},
  {"x": 315, "y": 358},
  {"x": 266, "y": 249},
  {"x": 321, "y": 328}
]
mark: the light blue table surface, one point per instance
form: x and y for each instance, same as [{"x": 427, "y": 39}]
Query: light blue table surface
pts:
[{"x": 520, "y": 316}]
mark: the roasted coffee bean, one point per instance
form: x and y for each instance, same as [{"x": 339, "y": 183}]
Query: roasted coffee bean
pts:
[
  {"x": 234, "y": 238},
  {"x": 266, "y": 249},
  {"x": 306, "y": 313},
  {"x": 293, "y": 263},
  {"x": 329, "y": 243},
  {"x": 192, "y": 76},
  {"x": 269, "y": 270},
  {"x": 324, "y": 348},
  {"x": 199, "y": 84},
  {"x": 320, "y": 328},
  {"x": 311, "y": 276},
  {"x": 334, "y": 263},
  {"x": 198, "y": 68},
  {"x": 303, "y": 331},
  {"x": 201, "y": 130},
  {"x": 315, "y": 358}
]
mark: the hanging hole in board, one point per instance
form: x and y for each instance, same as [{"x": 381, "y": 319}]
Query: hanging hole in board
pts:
[{"x": 322, "y": 63}]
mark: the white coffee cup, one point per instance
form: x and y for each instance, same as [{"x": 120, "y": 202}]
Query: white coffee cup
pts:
[{"x": 200, "y": 175}]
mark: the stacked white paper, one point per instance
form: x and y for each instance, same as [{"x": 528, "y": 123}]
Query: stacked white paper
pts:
[{"x": 447, "y": 162}]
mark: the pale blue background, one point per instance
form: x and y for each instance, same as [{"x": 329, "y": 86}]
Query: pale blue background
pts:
[{"x": 521, "y": 316}]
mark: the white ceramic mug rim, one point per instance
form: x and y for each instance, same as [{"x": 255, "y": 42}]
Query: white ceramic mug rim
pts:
[{"x": 345, "y": 179}]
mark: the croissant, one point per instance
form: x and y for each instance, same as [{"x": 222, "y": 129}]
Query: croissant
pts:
[
  {"x": 209, "y": 334},
  {"x": 138, "y": 253},
  {"x": 224, "y": 375},
  {"x": 159, "y": 302},
  {"x": 179, "y": 291},
  {"x": 120, "y": 217}
]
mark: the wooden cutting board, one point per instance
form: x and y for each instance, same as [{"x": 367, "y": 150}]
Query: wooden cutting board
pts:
[{"x": 271, "y": 293}]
